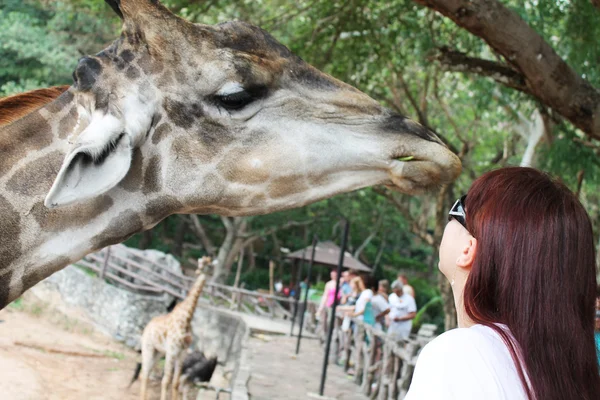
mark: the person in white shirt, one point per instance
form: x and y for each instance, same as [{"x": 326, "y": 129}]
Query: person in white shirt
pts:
[
  {"x": 518, "y": 252},
  {"x": 381, "y": 307},
  {"x": 402, "y": 311},
  {"x": 406, "y": 288}
]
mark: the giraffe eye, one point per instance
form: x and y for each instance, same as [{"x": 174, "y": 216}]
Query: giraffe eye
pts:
[{"x": 234, "y": 101}]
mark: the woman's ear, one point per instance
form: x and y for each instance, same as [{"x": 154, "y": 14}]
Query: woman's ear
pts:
[{"x": 467, "y": 255}]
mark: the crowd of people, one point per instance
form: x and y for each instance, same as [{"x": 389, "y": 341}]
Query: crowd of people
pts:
[{"x": 390, "y": 308}]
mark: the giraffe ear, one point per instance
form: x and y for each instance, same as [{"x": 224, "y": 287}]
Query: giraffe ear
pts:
[{"x": 98, "y": 161}]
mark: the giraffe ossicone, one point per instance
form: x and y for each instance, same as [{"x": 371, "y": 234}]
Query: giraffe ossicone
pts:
[{"x": 176, "y": 117}]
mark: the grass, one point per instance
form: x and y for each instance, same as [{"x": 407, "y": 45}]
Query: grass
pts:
[
  {"x": 114, "y": 354},
  {"x": 88, "y": 271},
  {"x": 17, "y": 304}
]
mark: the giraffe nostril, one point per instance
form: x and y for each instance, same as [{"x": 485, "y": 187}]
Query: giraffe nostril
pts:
[{"x": 86, "y": 73}]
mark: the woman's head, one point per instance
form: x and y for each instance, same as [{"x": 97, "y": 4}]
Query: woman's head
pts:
[
  {"x": 370, "y": 282},
  {"x": 357, "y": 284},
  {"x": 529, "y": 252},
  {"x": 333, "y": 274}
]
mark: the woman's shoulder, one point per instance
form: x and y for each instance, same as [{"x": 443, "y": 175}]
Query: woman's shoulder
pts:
[{"x": 460, "y": 341}]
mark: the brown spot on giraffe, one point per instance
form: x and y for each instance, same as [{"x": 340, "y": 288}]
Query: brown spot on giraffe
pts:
[
  {"x": 57, "y": 220},
  {"x": 35, "y": 178},
  {"x": 132, "y": 72},
  {"x": 5, "y": 279},
  {"x": 161, "y": 207},
  {"x": 16, "y": 142},
  {"x": 200, "y": 155},
  {"x": 281, "y": 187},
  {"x": 152, "y": 176},
  {"x": 34, "y": 274},
  {"x": 67, "y": 124},
  {"x": 10, "y": 231},
  {"x": 161, "y": 132},
  {"x": 235, "y": 171},
  {"x": 183, "y": 115},
  {"x": 133, "y": 180},
  {"x": 213, "y": 193},
  {"x": 120, "y": 228}
]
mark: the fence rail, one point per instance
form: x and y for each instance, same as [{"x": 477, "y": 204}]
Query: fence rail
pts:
[
  {"x": 383, "y": 367},
  {"x": 117, "y": 264}
]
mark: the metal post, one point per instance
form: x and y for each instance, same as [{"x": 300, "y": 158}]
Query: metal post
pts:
[
  {"x": 298, "y": 287},
  {"x": 335, "y": 301},
  {"x": 105, "y": 263},
  {"x": 312, "y": 260}
]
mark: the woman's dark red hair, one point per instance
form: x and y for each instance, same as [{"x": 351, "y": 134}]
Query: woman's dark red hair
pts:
[{"x": 534, "y": 271}]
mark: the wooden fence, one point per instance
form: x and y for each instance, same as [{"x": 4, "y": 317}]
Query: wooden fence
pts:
[
  {"x": 383, "y": 367},
  {"x": 117, "y": 265}
]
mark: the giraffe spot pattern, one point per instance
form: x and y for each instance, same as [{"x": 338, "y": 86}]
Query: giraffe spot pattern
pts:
[
  {"x": 10, "y": 230},
  {"x": 182, "y": 115},
  {"x": 234, "y": 171},
  {"x": 133, "y": 180},
  {"x": 161, "y": 132},
  {"x": 22, "y": 136},
  {"x": 36, "y": 273},
  {"x": 5, "y": 288},
  {"x": 120, "y": 228},
  {"x": 152, "y": 176},
  {"x": 74, "y": 216},
  {"x": 132, "y": 73},
  {"x": 161, "y": 207},
  {"x": 35, "y": 178},
  {"x": 212, "y": 191},
  {"x": 67, "y": 123},
  {"x": 286, "y": 186}
]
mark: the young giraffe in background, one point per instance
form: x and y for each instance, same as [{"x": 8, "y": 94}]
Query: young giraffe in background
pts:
[{"x": 170, "y": 334}]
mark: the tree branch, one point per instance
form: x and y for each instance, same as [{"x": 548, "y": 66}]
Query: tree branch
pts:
[
  {"x": 251, "y": 237},
  {"x": 423, "y": 234},
  {"x": 198, "y": 229},
  {"x": 456, "y": 61},
  {"x": 547, "y": 76}
]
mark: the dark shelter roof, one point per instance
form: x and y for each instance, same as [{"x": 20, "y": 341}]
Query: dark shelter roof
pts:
[{"x": 328, "y": 253}]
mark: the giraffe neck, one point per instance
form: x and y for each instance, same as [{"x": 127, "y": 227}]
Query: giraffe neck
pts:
[
  {"x": 188, "y": 306},
  {"x": 36, "y": 241}
]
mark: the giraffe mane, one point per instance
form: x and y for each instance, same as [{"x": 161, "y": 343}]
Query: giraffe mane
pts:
[{"x": 19, "y": 105}]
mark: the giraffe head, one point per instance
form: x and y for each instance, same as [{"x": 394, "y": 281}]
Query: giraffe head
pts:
[
  {"x": 225, "y": 119},
  {"x": 202, "y": 263}
]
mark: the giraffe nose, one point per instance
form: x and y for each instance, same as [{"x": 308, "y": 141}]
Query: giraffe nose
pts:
[
  {"x": 399, "y": 124},
  {"x": 87, "y": 71}
]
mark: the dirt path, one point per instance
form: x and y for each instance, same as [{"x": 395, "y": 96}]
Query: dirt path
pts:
[
  {"x": 276, "y": 370},
  {"x": 34, "y": 366}
]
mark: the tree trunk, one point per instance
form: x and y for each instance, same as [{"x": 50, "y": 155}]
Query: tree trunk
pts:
[
  {"x": 231, "y": 226},
  {"x": 251, "y": 257},
  {"x": 547, "y": 76},
  {"x": 179, "y": 235},
  {"x": 238, "y": 272},
  {"x": 146, "y": 240},
  {"x": 208, "y": 245},
  {"x": 271, "y": 278}
]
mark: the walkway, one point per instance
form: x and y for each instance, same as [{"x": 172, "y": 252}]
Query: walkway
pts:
[{"x": 277, "y": 374}]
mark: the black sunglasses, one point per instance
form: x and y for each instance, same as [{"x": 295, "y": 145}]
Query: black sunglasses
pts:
[{"x": 457, "y": 212}]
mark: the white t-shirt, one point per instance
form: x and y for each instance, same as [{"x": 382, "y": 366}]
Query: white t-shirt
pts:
[
  {"x": 364, "y": 297},
  {"x": 380, "y": 304},
  {"x": 401, "y": 307},
  {"x": 464, "y": 364}
]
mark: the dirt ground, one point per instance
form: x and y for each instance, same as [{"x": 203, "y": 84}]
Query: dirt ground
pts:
[{"x": 46, "y": 354}]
